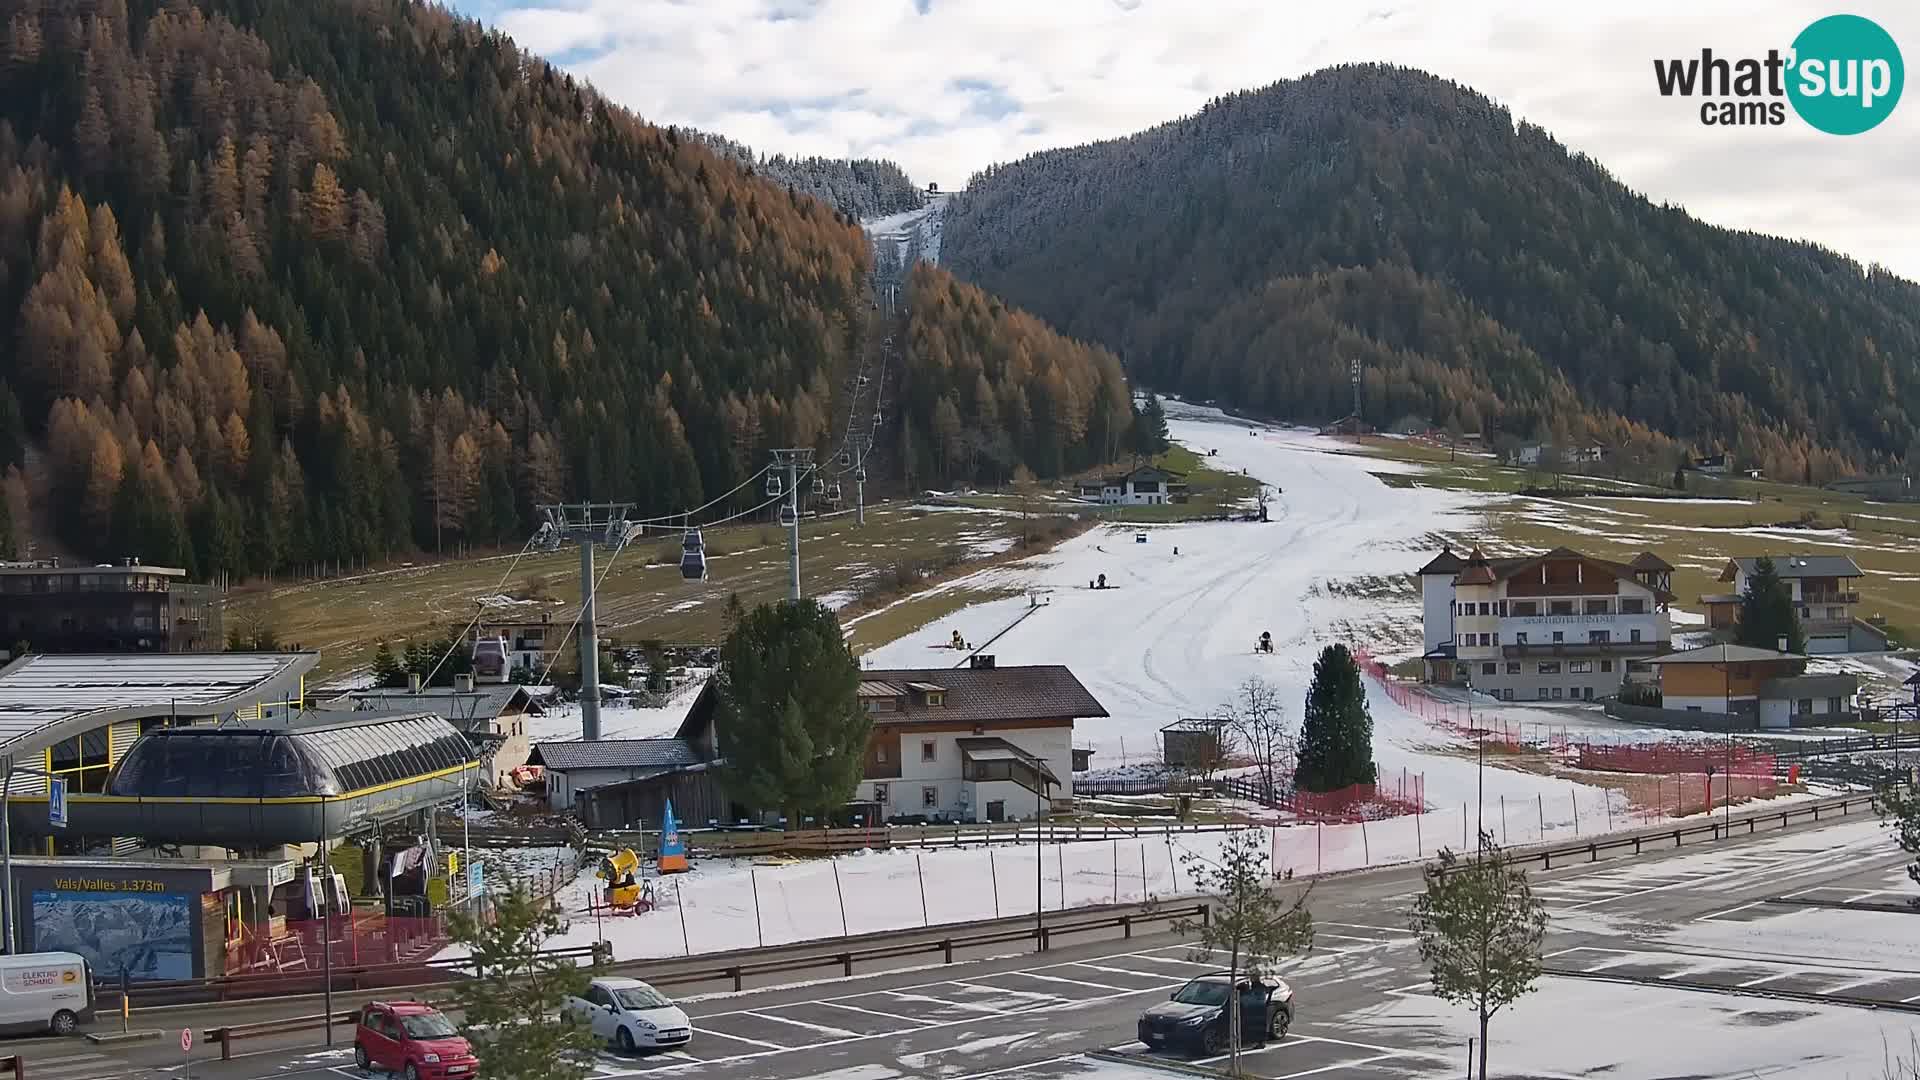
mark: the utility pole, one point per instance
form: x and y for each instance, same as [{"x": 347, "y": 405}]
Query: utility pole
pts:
[
  {"x": 587, "y": 524},
  {"x": 793, "y": 461}
]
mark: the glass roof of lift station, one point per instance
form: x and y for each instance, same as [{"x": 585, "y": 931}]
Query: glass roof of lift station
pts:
[{"x": 334, "y": 758}]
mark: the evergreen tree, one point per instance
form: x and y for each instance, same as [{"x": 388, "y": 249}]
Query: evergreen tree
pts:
[
  {"x": 1336, "y": 730},
  {"x": 1480, "y": 928},
  {"x": 512, "y": 1009},
  {"x": 788, "y": 719},
  {"x": 387, "y": 672},
  {"x": 1151, "y": 421},
  {"x": 1767, "y": 613}
]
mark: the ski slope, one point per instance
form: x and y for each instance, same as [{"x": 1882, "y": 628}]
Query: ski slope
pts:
[
  {"x": 912, "y": 233},
  {"x": 1174, "y": 634}
]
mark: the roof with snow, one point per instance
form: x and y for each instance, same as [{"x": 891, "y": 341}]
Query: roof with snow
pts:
[
  {"x": 1798, "y": 566},
  {"x": 615, "y": 754}
]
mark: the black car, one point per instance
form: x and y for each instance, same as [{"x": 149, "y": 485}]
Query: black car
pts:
[{"x": 1194, "y": 1019}]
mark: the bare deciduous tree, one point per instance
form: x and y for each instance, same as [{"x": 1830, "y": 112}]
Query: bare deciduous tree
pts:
[{"x": 1258, "y": 721}]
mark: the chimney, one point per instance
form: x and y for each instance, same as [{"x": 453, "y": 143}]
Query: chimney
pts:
[
  {"x": 463, "y": 683},
  {"x": 982, "y": 662},
  {"x": 413, "y": 682}
]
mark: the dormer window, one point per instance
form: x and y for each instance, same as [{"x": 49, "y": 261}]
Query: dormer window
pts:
[{"x": 937, "y": 697}]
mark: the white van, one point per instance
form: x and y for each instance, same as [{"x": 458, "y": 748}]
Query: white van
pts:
[{"x": 49, "y": 991}]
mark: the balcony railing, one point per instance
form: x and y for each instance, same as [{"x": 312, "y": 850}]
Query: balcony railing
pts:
[
  {"x": 1814, "y": 599},
  {"x": 1583, "y": 648}
]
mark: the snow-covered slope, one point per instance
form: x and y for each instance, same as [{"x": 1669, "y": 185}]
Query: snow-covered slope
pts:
[
  {"x": 1174, "y": 634},
  {"x": 912, "y": 235}
]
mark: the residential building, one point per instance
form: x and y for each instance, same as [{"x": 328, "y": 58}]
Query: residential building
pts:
[
  {"x": 530, "y": 642},
  {"x": 1562, "y": 626},
  {"x": 1148, "y": 485},
  {"x": 1825, "y": 596},
  {"x": 493, "y": 717},
  {"x": 1759, "y": 686},
  {"x": 979, "y": 743},
  {"x": 1886, "y": 487},
  {"x": 642, "y": 770},
  {"x": 106, "y": 609},
  {"x": 1714, "y": 464}
]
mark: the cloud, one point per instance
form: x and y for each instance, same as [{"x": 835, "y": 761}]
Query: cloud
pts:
[{"x": 947, "y": 87}]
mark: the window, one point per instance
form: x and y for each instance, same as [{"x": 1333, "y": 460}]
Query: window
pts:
[
  {"x": 1486, "y": 639},
  {"x": 880, "y": 793},
  {"x": 1559, "y": 636},
  {"x": 1632, "y": 605},
  {"x": 1496, "y": 637},
  {"x": 936, "y": 697},
  {"x": 1693, "y": 708},
  {"x": 1599, "y": 607},
  {"x": 1513, "y": 667},
  {"x": 1599, "y": 637},
  {"x": 1559, "y": 607},
  {"x": 1805, "y": 706},
  {"x": 1606, "y": 665},
  {"x": 1805, "y": 614},
  {"x": 1556, "y": 693},
  {"x": 929, "y": 750},
  {"x": 1525, "y": 607},
  {"x": 1635, "y": 635},
  {"x": 1507, "y": 694},
  {"x": 1579, "y": 667},
  {"x": 1549, "y": 667},
  {"x": 1543, "y": 693},
  {"x": 880, "y": 754},
  {"x": 1486, "y": 608},
  {"x": 1833, "y": 705},
  {"x": 882, "y": 704},
  {"x": 1520, "y": 638},
  {"x": 1489, "y": 669},
  {"x": 930, "y": 797}
]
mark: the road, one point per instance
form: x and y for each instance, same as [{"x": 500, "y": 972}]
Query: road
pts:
[{"x": 1707, "y": 916}]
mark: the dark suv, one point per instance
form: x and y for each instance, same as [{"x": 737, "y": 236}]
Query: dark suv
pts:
[{"x": 1195, "y": 1018}]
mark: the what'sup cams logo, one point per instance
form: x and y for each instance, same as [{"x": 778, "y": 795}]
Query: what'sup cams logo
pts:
[{"x": 1843, "y": 76}]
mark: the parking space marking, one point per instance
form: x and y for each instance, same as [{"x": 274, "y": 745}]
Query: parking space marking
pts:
[
  {"x": 987, "y": 988},
  {"x": 838, "y": 1033},
  {"x": 972, "y": 1006},
  {"x": 1717, "y": 914},
  {"x": 1171, "y": 960},
  {"x": 1337, "y": 1065},
  {"x": 1851, "y": 983},
  {"x": 742, "y": 1038},
  {"x": 1120, "y": 970},
  {"x": 1397, "y": 931},
  {"x": 871, "y": 1012},
  {"x": 1058, "y": 979},
  {"x": 1768, "y": 978}
]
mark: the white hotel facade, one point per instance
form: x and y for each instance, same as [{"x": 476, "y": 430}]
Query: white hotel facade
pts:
[{"x": 1562, "y": 626}]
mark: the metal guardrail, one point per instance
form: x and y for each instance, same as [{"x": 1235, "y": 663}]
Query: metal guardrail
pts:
[
  {"x": 1803, "y": 749},
  {"x": 1843, "y": 805},
  {"x": 845, "y": 959},
  {"x": 881, "y": 837},
  {"x": 266, "y": 986}
]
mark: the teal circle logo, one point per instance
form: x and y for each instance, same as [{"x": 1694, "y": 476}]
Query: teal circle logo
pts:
[{"x": 1846, "y": 75}]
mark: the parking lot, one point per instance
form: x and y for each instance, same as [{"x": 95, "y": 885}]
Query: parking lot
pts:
[{"x": 723, "y": 1035}]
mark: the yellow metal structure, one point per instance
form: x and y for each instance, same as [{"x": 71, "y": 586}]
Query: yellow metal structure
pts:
[{"x": 621, "y": 872}]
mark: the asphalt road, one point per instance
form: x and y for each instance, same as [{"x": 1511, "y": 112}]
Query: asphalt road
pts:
[{"x": 1040, "y": 1017}]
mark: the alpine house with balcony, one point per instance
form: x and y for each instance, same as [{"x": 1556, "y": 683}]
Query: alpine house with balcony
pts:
[
  {"x": 1826, "y": 596},
  {"x": 1562, "y": 626}
]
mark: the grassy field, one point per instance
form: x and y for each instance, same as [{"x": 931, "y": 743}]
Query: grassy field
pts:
[
  {"x": 642, "y": 595},
  {"x": 1714, "y": 520}
]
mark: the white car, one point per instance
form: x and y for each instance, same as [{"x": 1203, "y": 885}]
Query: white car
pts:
[{"x": 631, "y": 1015}]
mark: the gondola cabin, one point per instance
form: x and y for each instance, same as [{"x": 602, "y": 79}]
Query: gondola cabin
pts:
[
  {"x": 490, "y": 660},
  {"x": 693, "y": 556}
]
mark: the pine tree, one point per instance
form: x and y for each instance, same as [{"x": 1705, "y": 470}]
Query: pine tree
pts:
[
  {"x": 1767, "y": 614},
  {"x": 1336, "y": 730},
  {"x": 793, "y": 730},
  {"x": 387, "y": 671}
]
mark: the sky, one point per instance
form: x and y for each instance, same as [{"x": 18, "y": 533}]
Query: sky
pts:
[{"x": 948, "y": 87}]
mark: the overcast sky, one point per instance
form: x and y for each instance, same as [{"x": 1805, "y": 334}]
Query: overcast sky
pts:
[{"x": 945, "y": 87}]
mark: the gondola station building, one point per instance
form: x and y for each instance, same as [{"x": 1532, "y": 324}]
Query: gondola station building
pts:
[{"x": 1562, "y": 626}]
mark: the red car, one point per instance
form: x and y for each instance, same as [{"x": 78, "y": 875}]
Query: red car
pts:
[{"x": 411, "y": 1039}]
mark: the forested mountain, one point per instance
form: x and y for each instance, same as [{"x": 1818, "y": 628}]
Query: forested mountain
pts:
[
  {"x": 287, "y": 283},
  {"x": 988, "y": 390},
  {"x": 1478, "y": 272},
  {"x": 861, "y": 187}
]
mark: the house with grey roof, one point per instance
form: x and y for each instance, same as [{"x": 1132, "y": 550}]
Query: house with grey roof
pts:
[{"x": 1826, "y": 596}]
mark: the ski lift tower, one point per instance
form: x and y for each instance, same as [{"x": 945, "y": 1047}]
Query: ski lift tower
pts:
[
  {"x": 588, "y": 524},
  {"x": 794, "y": 462}
]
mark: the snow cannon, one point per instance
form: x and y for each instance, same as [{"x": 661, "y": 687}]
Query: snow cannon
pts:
[{"x": 625, "y": 892}]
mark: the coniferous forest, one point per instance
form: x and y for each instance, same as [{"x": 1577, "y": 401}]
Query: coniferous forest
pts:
[
  {"x": 1479, "y": 273},
  {"x": 296, "y": 283}
]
